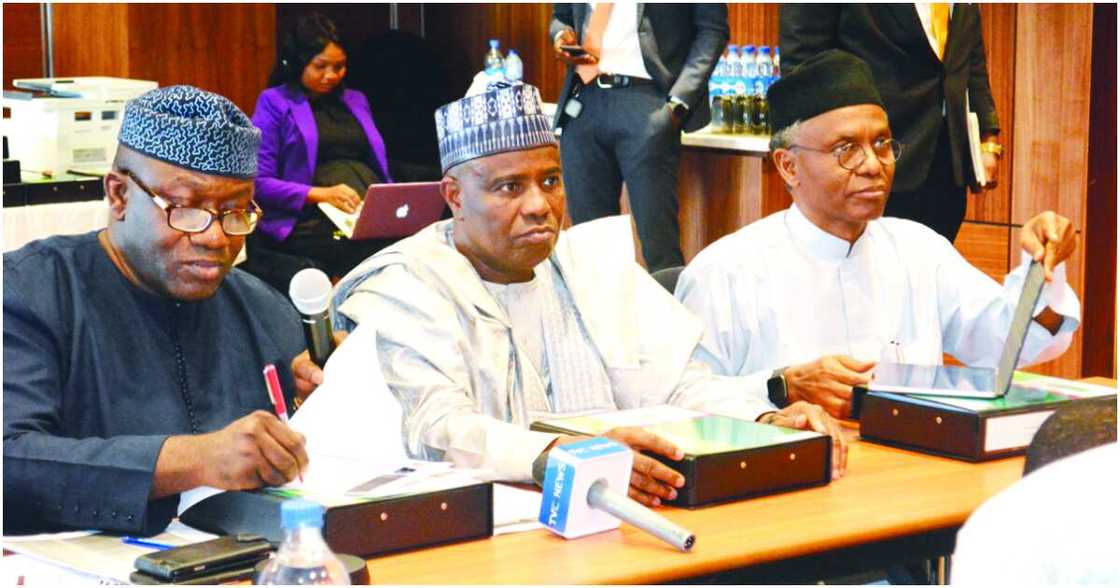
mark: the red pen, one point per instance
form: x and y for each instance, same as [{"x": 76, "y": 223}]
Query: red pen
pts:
[{"x": 276, "y": 394}]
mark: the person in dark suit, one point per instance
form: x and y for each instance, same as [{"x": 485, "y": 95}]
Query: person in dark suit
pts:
[
  {"x": 923, "y": 70},
  {"x": 643, "y": 79}
]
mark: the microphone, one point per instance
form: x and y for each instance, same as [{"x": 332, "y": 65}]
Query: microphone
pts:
[
  {"x": 580, "y": 485},
  {"x": 310, "y": 291}
]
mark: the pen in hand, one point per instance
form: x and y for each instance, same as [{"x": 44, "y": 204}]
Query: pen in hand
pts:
[{"x": 276, "y": 395}]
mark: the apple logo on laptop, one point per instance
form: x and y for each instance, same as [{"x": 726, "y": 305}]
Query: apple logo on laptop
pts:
[{"x": 402, "y": 211}]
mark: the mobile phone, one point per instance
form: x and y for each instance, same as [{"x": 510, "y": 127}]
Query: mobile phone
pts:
[
  {"x": 574, "y": 50},
  {"x": 190, "y": 561},
  {"x": 239, "y": 572}
]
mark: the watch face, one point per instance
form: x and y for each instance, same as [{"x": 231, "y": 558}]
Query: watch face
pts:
[{"x": 776, "y": 388}]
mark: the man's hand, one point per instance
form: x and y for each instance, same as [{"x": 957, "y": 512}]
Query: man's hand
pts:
[
  {"x": 568, "y": 37},
  {"x": 828, "y": 382},
  {"x": 308, "y": 374},
  {"x": 650, "y": 480},
  {"x": 802, "y": 415},
  {"x": 991, "y": 169},
  {"x": 1049, "y": 238},
  {"x": 253, "y": 451}
]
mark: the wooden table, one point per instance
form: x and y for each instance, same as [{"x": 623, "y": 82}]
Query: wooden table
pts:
[
  {"x": 891, "y": 502},
  {"x": 892, "y": 505}
]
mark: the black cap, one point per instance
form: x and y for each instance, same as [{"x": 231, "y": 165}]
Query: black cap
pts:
[{"x": 829, "y": 80}]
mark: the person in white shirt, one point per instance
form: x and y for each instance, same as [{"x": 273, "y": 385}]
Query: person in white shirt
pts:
[
  {"x": 1056, "y": 526},
  {"x": 805, "y": 301},
  {"x": 496, "y": 318}
]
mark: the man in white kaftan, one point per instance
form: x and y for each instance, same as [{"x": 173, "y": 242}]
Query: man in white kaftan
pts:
[
  {"x": 811, "y": 297},
  {"x": 496, "y": 318}
]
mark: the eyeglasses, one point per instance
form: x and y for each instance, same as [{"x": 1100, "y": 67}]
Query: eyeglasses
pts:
[
  {"x": 852, "y": 155},
  {"x": 236, "y": 222}
]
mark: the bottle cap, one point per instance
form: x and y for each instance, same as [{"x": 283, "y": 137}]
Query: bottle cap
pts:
[
  {"x": 493, "y": 43},
  {"x": 748, "y": 48},
  {"x": 763, "y": 49},
  {"x": 298, "y": 513}
]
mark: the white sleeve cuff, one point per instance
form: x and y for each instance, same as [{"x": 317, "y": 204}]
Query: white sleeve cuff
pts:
[
  {"x": 515, "y": 460},
  {"x": 1057, "y": 294}
]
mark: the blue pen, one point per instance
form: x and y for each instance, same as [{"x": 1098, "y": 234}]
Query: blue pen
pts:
[{"x": 128, "y": 540}]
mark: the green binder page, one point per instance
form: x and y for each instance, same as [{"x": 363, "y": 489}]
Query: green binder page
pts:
[
  {"x": 1027, "y": 390},
  {"x": 694, "y": 432}
]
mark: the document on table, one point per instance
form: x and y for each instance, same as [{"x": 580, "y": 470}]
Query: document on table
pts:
[
  {"x": 352, "y": 422},
  {"x": 516, "y": 509},
  {"x": 84, "y": 557}
]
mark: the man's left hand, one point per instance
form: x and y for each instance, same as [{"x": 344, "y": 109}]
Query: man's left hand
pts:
[
  {"x": 802, "y": 415},
  {"x": 308, "y": 374},
  {"x": 1050, "y": 239},
  {"x": 991, "y": 169}
]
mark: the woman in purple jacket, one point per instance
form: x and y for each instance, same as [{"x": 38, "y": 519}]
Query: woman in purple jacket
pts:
[{"x": 318, "y": 144}]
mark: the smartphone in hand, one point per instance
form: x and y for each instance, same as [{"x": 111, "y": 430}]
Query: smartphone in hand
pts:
[{"x": 573, "y": 50}]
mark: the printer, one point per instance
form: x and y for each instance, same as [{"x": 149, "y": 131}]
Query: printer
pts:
[{"x": 67, "y": 124}]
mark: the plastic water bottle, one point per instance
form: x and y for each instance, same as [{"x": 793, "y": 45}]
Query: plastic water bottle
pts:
[
  {"x": 732, "y": 61},
  {"x": 515, "y": 70},
  {"x": 715, "y": 96},
  {"x": 777, "y": 64},
  {"x": 495, "y": 65},
  {"x": 303, "y": 558},
  {"x": 765, "y": 65},
  {"x": 750, "y": 62}
]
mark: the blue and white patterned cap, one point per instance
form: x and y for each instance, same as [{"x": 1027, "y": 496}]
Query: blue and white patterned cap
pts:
[
  {"x": 193, "y": 129},
  {"x": 495, "y": 121}
]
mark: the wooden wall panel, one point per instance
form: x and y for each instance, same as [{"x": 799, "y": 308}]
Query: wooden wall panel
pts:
[
  {"x": 716, "y": 196},
  {"x": 1099, "y": 358},
  {"x": 998, "y": 30},
  {"x": 460, "y": 33},
  {"x": 92, "y": 40},
  {"x": 1050, "y": 150},
  {"x": 224, "y": 48},
  {"x": 23, "y": 44},
  {"x": 1068, "y": 365},
  {"x": 753, "y": 24},
  {"x": 985, "y": 246}
]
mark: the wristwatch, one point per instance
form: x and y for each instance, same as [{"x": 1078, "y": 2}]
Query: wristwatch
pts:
[
  {"x": 776, "y": 388},
  {"x": 680, "y": 109},
  {"x": 993, "y": 148}
]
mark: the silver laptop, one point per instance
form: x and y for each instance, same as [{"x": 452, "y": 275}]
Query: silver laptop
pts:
[{"x": 968, "y": 382}]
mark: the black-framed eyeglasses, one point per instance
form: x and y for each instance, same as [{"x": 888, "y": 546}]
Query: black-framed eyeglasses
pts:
[
  {"x": 236, "y": 222},
  {"x": 852, "y": 155}
]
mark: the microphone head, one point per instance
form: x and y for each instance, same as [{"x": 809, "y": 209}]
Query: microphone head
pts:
[
  {"x": 569, "y": 473},
  {"x": 310, "y": 291}
]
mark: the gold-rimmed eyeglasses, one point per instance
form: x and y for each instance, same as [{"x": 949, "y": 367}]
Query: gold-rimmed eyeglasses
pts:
[
  {"x": 235, "y": 222},
  {"x": 852, "y": 155}
]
